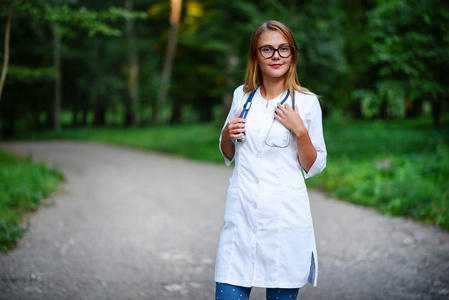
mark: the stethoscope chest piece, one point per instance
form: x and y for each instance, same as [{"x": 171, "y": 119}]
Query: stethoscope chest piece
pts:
[{"x": 242, "y": 138}]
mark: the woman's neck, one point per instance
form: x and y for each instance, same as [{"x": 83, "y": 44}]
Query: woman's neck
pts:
[{"x": 272, "y": 87}]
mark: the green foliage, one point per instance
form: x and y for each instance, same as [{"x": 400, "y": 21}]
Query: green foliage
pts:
[
  {"x": 65, "y": 16},
  {"x": 23, "y": 184},
  {"x": 368, "y": 59},
  {"x": 400, "y": 168},
  {"x": 29, "y": 76},
  {"x": 93, "y": 21},
  {"x": 411, "y": 47}
]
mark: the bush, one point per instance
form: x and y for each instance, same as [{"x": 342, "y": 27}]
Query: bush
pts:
[
  {"x": 23, "y": 184},
  {"x": 401, "y": 168}
]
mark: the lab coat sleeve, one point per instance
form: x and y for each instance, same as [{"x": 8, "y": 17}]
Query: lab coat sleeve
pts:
[
  {"x": 315, "y": 130},
  {"x": 238, "y": 93}
]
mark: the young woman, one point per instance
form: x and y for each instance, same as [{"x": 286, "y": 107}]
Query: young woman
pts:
[{"x": 267, "y": 238}]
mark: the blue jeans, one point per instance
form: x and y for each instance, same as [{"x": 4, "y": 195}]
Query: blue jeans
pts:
[{"x": 225, "y": 291}]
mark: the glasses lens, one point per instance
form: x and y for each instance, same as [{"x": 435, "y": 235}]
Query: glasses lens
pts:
[
  {"x": 266, "y": 52},
  {"x": 285, "y": 51}
]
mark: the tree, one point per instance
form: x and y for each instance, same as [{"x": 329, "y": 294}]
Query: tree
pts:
[
  {"x": 133, "y": 67},
  {"x": 410, "y": 42},
  {"x": 169, "y": 58},
  {"x": 6, "y": 51},
  {"x": 61, "y": 16},
  {"x": 66, "y": 21},
  {"x": 57, "y": 67}
]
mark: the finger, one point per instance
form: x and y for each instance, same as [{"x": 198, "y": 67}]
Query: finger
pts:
[
  {"x": 277, "y": 117},
  {"x": 237, "y": 118},
  {"x": 296, "y": 109},
  {"x": 237, "y": 133},
  {"x": 238, "y": 127},
  {"x": 282, "y": 107},
  {"x": 279, "y": 110},
  {"x": 236, "y": 124},
  {"x": 287, "y": 106},
  {"x": 239, "y": 113}
]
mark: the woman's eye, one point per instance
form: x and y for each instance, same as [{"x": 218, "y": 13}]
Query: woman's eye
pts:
[{"x": 266, "y": 49}]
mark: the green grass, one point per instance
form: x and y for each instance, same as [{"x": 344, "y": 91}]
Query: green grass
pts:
[
  {"x": 23, "y": 185},
  {"x": 197, "y": 141},
  {"x": 399, "y": 167}
]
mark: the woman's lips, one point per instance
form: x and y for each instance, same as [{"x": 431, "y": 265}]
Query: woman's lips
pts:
[{"x": 276, "y": 65}]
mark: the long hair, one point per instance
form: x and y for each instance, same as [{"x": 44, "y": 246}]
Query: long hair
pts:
[{"x": 253, "y": 72}]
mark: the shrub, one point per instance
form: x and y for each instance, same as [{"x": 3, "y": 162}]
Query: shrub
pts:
[{"x": 23, "y": 184}]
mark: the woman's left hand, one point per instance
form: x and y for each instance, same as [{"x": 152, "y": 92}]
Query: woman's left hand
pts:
[{"x": 290, "y": 119}]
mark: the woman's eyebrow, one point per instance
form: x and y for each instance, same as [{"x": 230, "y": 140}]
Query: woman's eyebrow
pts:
[{"x": 280, "y": 45}]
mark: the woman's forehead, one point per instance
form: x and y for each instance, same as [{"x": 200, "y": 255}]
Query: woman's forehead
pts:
[{"x": 272, "y": 38}]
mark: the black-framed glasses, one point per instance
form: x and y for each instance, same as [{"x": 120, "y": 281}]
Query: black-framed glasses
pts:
[{"x": 283, "y": 51}]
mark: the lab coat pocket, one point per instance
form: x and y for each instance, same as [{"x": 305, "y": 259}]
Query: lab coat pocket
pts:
[
  {"x": 295, "y": 208},
  {"x": 278, "y": 135}
]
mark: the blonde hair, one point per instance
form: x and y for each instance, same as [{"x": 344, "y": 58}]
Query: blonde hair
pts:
[{"x": 253, "y": 72}]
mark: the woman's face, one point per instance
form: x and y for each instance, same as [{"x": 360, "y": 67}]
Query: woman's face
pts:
[{"x": 275, "y": 66}]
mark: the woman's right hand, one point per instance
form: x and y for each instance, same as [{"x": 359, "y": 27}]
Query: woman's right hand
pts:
[{"x": 235, "y": 128}]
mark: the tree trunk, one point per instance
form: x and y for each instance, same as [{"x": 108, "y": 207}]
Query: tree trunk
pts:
[
  {"x": 85, "y": 113},
  {"x": 231, "y": 63},
  {"x": 414, "y": 108},
  {"x": 206, "y": 111},
  {"x": 6, "y": 51},
  {"x": 100, "y": 114},
  {"x": 383, "y": 110},
  {"x": 99, "y": 108},
  {"x": 57, "y": 67},
  {"x": 176, "y": 113},
  {"x": 75, "y": 116},
  {"x": 436, "y": 112},
  {"x": 8, "y": 122},
  {"x": 133, "y": 68},
  {"x": 171, "y": 50}
]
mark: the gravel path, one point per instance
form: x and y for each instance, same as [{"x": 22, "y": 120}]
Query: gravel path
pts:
[{"x": 130, "y": 224}]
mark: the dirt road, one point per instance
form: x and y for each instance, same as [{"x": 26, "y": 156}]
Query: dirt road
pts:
[{"x": 130, "y": 224}]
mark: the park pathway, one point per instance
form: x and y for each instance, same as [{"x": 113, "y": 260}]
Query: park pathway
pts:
[{"x": 129, "y": 224}]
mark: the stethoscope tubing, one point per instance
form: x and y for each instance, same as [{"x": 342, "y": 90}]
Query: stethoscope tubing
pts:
[{"x": 247, "y": 106}]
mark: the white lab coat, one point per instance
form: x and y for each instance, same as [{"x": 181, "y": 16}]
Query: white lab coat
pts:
[{"x": 267, "y": 238}]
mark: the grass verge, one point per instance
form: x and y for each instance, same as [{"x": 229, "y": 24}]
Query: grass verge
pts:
[
  {"x": 398, "y": 167},
  {"x": 23, "y": 184}
]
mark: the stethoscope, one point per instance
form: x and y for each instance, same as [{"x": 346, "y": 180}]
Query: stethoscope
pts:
[{"x": 247, "y": 106}]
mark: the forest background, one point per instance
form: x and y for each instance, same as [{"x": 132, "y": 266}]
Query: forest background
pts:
[
  {"x": 142, "y": 62},
  {"x": 159, "y": 74}
]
